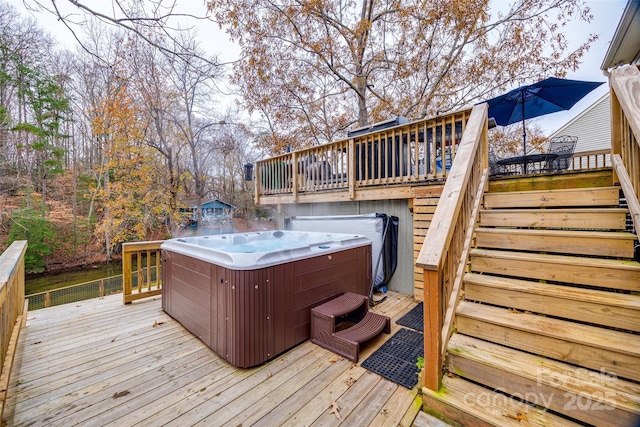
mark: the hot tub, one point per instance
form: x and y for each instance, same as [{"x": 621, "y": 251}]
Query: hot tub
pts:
[{"x": 248, "y": 296}]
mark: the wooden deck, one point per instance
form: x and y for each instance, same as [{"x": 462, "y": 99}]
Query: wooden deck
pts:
[{"x": 100, "y": 362}]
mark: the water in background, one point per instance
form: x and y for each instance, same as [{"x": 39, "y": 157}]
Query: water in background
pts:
[{"x": 60, "y": 280}]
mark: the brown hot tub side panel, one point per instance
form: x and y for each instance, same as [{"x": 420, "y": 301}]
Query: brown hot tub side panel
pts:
[
  {"x": 250, "y": 316},
  {"x": 318, "y": 280},
  {"x": 189, "y": 295}
]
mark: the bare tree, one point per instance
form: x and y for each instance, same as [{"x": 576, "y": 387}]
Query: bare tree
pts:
[
  {"x": 194, "y": 116},
  {"x": 159, "y": 23},
  {"x": 315, "y": 67}
]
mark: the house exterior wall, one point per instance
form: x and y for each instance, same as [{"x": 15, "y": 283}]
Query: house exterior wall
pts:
[
  {"x": 402, "y": 279},
  {"x": 592, "y": 127}
]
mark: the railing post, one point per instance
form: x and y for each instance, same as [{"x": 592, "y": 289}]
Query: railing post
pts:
[
  {"x": 126, "y": 274},
  {"x": 432, "y": 330},
  {"x": 294, "y": 175},
  {"x": 101, "y": 287},
  {"x": 47, "y": 299},
  {"x": 257, "y": 190},
  {"x": 351, "y": 161}
]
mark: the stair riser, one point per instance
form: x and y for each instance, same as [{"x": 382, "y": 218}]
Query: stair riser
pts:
[
  {"x": 605, "y": 196},
  {"x": 604, "y": 220},
  {"x": 599, "y": 314},
  {"x": 615, "y": 248},
  {"x": 540, "y": 392},
  {"x": 557, "y": 272},
  {"x": 623, "y": 365}
]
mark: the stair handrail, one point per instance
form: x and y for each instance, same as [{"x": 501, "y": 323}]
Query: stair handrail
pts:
[
  {"x": 625, "y": 135},
  {"x": 443, "y": 255}
]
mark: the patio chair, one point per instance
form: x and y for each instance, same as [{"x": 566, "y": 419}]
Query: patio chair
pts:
[
  {"x": 494, "y": 168},
  {"x": 562, "y": 146}
]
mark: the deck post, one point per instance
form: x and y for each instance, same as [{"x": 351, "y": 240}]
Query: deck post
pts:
[
  {"x": 294, "y": 176},
  {"x": 432, "y": 330},
  {"x": 351, "y": 159}
]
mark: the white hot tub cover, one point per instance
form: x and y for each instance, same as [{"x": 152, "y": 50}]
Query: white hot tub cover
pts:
[{"x": 380, "y": 228}]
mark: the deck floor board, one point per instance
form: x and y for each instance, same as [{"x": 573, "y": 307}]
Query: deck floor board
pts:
[{"x": 100, "y": 362}]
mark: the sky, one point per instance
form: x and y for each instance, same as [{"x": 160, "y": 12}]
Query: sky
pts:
[{"x": 606, "y": 15}]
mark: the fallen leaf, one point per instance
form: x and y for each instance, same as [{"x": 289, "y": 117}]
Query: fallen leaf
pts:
[
  {"x": 269, "y": 374},
  {"x": 513, "y": 310},
  {"x": 121, "y": 394},
  {"x": 518, "y": 416},
  {"x": 155, "y": 324},
  {"x": 114, "y": 338},
  {"x": 334, "y": 410},
  {"x": 350, "y": 381}
]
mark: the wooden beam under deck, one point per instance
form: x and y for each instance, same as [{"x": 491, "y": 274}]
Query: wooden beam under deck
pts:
[
  {"x": 100, "y": 362},
  {"x": 383, "y": 192}
]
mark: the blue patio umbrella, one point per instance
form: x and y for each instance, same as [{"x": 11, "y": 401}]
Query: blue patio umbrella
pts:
[{"x": 545, "y": 97}]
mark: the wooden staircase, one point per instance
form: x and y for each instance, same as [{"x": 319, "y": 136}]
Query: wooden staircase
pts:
[{"x": 548, "y": 329}]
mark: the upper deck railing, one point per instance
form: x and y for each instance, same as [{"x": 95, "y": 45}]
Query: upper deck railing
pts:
[{"x": 414, "y": 152}]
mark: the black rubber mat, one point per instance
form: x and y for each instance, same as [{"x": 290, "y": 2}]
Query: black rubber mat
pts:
[
  {"x": 396, "y": 359},
  {"x": 414, "y": 319}
]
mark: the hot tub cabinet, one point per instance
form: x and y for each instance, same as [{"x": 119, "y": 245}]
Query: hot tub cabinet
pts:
[{"x": 257, "y": 309}]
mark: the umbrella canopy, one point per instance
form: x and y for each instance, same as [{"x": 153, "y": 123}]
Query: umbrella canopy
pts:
[{"x": 545, "y": 97}]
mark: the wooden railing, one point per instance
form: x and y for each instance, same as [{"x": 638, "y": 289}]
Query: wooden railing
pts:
[
  {"x": 419, "y": 151},
  {"x": 12, "y": 309},
  {"x": 625, "y": 135},
  {"x": 141, "y": 263},
  {"x": 444, "y": 254},
  {"x": 587, "y": 160},
  {"x": 98, "y": 288}
]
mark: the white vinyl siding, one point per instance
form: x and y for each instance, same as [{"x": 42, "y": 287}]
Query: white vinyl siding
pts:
[{"x": 592, "y": 127}]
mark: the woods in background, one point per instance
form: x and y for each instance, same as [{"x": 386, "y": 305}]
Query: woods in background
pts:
[{"x": 132, "y": 125}]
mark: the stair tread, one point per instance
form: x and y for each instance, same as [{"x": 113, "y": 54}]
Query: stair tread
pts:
[
  {"x": 558, "y": 259},
  {"x": 490, "y": 407},
  {"x": 369, "y": 327},
  {"x": 616, "y": 299},
  {"x": 555, "y": 232},
  {"x": 552, "y": 217},
  {"x": 596, "y": 196},
  {"x": 344, "y": 304},
  {"x": 591, "y": 336},
  {"x": 565, "y": 377}
]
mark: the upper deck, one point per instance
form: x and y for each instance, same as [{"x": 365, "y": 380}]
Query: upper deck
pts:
[
  {"x": 358, "y": 168},
  {"x": 387, "y": 162}
]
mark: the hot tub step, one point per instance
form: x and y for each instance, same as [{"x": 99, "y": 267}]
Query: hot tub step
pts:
[
  {"x": 368, "y": 328},
  {"x": 352, "y": 307}
]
